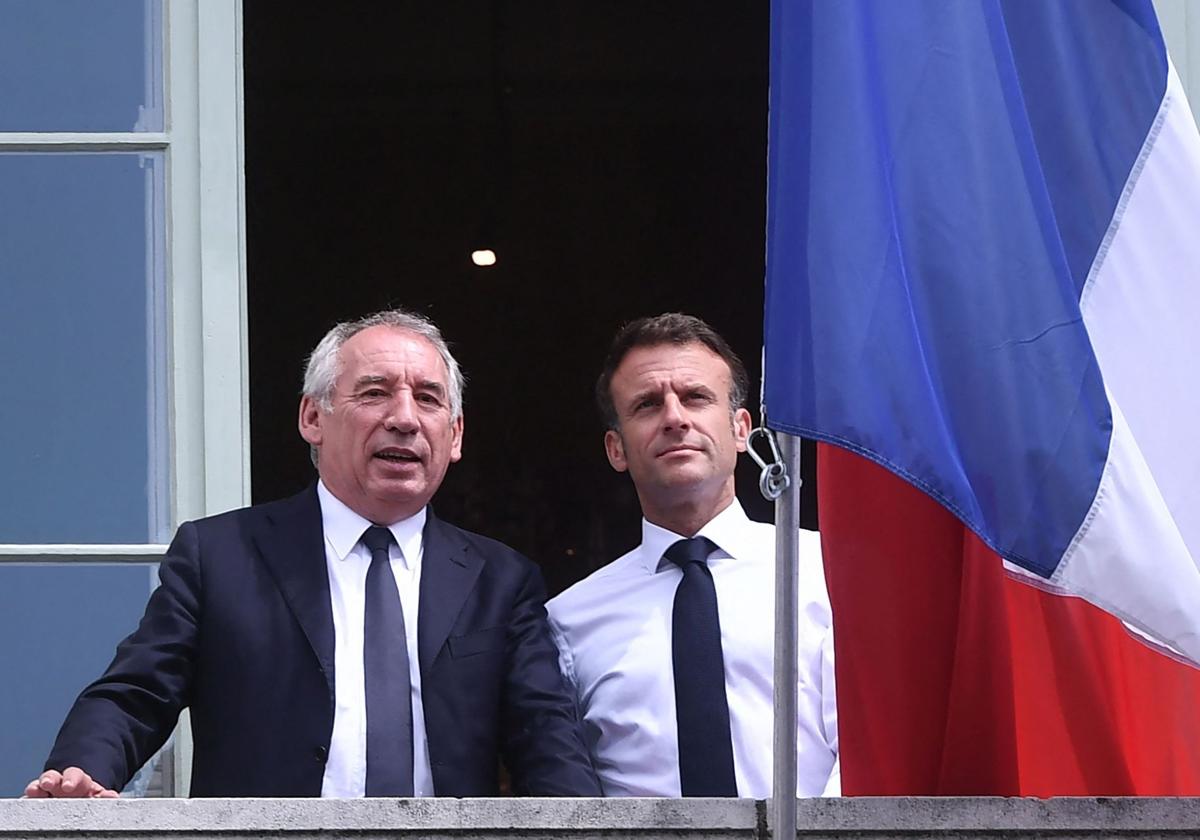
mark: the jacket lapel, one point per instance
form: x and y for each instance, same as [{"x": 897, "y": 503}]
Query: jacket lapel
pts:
[
  {"x": 291, "y": 542},
  {"x": 449, "y": 570}
]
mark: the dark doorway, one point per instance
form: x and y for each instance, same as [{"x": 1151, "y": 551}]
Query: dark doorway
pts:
[{"x": 614, "y": 157}]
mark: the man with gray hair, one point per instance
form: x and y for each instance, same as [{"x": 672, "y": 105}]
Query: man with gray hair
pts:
[{"x": 343, "y": 642}]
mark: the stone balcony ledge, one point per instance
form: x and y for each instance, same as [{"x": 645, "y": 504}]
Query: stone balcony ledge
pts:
[{"x": 595, "y": 819}]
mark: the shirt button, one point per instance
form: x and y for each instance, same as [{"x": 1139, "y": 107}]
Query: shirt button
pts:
[{"x": 320, "y": 754}]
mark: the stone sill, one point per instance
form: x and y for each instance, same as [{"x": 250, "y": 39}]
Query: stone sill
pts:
[{"x": 602, "y": 819}]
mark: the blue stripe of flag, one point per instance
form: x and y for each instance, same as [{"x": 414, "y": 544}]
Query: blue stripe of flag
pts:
[{"x": 941, "y": 173}]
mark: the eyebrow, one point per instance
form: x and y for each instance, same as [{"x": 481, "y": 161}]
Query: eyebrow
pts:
[
  {"x": 656, "y": 393},
  {"x": 640, "y": 396},
  {"x": 431, "y": 385},
  {"x": 379, "y": 379}
]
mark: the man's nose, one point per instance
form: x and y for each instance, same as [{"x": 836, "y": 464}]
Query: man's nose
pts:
[
  {"x": 674, "y": 414},
  {"x": 402, "y": 413}
]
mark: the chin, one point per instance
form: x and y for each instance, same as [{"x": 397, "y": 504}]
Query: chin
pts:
[
  {"x": 397, "y": 492},
  {"x": 678, "y": 479}
]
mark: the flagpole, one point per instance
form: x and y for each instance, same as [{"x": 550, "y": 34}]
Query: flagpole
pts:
[{"x": 787, "y": 528}]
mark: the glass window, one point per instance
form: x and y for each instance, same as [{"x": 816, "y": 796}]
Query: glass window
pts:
[
  {"x": 61, "y": 624},
  {"x": 83, "y": 369},
  {"x": 81, "y": 65}
]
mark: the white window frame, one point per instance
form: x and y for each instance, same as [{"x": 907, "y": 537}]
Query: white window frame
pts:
[
  {"x": 207, "y": 399},
  {"x": 1180, "y": 24}
]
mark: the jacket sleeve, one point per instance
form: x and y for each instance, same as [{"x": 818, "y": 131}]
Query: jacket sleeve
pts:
[
  {"x": 121, "y": 720},
  {"x": 543, "y": 742}
]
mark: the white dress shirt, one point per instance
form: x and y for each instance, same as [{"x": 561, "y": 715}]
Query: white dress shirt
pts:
[
  {"x": 348, "y": 560},
  {"x": 614, "y": 636}
]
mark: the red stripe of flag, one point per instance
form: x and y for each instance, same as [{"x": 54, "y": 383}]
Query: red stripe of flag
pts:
[{"x": 956, "y": 679}]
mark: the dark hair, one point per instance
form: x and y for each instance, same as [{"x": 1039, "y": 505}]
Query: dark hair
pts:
[{"x": 668, "y": 328}]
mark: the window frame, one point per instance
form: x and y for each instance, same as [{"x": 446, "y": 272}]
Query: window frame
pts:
[{"x": 204, "y": 269}]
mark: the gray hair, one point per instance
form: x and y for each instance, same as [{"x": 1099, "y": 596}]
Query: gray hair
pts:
[{"x": 325, "y": 364}]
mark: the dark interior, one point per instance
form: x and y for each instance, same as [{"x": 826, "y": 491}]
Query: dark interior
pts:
[{"x": 614, "y": 157}]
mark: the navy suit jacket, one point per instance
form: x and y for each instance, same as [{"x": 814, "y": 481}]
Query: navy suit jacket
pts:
[{"x": 241, "y": 631}]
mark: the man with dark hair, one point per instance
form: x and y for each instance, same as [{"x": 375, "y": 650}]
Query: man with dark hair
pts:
[
  {"x": 346, "y": 641},
  {"x": 670, "y": 647},
  {"x": 669, "y": 328}
]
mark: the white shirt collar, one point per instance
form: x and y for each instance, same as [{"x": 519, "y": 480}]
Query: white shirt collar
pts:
[
  {"x": 344, "y": 528},
  {"x": 727, "y": 529}
]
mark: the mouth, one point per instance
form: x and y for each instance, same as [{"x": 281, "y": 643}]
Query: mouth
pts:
[
  {"x": 676, "y": 450},
  {"x": 398, "y": 456}
]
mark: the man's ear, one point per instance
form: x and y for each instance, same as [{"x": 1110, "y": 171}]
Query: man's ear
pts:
[
  {"x": 614, "y": 448},
  {"x": 456, "y": 439},
  {"x": 741, "y": 428},
  {"x": 309, "y": 422}
]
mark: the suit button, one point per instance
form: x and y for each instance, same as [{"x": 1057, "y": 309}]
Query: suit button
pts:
[{"x": 320, "y": 754}]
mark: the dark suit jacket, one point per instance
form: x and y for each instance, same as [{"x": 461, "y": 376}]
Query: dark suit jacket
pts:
[{"x": 241, "y": 631}]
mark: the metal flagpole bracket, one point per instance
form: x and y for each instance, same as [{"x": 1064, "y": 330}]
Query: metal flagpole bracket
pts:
[{"x": 774, "y": 479}]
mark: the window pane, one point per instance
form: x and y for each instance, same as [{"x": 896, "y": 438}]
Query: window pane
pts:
[
  {"x": 81, "y": 65},
  {"x": 61, "y": 624},
  {"x": 82, "y": 348}
]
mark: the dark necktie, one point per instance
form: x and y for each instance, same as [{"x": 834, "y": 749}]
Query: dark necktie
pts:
[
  {"x": 701, "y": 708},
  {"x": 385, "y": 664}
]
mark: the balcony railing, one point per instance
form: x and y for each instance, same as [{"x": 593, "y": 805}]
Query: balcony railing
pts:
[{"x": 594, "y": 819}]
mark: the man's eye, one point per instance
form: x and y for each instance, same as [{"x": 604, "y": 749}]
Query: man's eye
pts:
[
  {"x": 374, "y": 393},
  {"x": 429, "y": 399}
]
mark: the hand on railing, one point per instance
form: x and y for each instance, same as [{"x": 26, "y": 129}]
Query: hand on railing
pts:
[{"x": 71, "y": 783}]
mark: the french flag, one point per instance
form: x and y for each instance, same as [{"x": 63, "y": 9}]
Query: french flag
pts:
[{"x": 983, "y": 278}]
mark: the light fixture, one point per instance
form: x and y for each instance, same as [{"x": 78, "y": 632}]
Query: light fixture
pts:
[{"x": 484, "y": 257}]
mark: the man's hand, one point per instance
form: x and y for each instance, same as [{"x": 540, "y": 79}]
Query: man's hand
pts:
[{"x": 72, "y": 782}]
